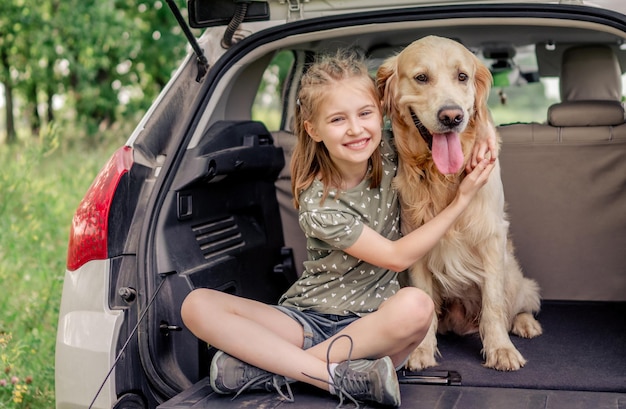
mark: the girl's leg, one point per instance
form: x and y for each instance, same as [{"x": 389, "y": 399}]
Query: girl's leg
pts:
[
  {"x": 395, "y": 330},
  {"x": 254, "y": 332}
]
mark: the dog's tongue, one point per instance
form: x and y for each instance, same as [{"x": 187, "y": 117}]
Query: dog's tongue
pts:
[{"x": 447, "y": 152}]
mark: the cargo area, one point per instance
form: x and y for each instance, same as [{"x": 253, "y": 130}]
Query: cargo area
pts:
[
  {"x": 579, "y": 359},
  {"x": 564, "y": 181}
]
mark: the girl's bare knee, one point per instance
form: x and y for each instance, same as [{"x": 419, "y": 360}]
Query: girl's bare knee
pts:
[
  {"x": 415, "y": 308},
  {"x": 194, "y": 303}
]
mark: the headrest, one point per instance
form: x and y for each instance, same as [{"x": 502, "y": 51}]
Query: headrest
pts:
[
  {"x": 590, "y": 73},
  {"x": 591, "y": 89}
]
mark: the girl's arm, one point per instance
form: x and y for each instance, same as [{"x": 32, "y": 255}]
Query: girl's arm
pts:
[
  {"x": 486, "y": 143},
  {"x": 398, "y": 255}
]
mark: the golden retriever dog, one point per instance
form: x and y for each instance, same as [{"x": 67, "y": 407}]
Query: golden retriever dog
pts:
[{"x": 435, "y": 94}]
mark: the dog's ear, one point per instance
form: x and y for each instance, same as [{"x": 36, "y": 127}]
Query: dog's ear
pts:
[
  {"x": 386, "y": 77},
  {"x": 482, "y": 83}
]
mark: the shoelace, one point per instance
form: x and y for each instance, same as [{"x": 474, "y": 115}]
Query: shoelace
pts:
[
  {"x": 262, "y": 380},
  {"x": 339, "y": 388},
  {"x": 358, "y": 384}
]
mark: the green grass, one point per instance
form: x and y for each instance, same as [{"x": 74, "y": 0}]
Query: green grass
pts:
[{"x": 41, "y": 184}]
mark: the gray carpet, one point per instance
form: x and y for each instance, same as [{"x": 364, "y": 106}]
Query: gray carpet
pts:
[{"x": 583, "y": 347}]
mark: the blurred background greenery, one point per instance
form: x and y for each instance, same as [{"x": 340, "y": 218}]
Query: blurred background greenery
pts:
[
  {"x": 75, "y": 78},
  {"x": 93, "y": 63}
]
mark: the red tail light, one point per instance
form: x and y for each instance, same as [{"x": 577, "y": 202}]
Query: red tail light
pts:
[{"x": 88, "y": 235}]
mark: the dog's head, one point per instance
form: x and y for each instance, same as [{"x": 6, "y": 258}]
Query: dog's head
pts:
[{"x": 435, "y": 93}]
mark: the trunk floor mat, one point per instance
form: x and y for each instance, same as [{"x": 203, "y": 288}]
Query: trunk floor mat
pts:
[{"x": 582, "y": 348}]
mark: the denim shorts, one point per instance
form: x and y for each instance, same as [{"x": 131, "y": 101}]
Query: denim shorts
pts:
[{"x": 318, "y": 327}]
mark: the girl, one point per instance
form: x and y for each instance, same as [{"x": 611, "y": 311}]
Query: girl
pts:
[{"x": 348, "y": 298}]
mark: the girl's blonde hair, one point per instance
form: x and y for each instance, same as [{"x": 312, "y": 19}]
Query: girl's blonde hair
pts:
[{"x": 311, "y": 158}]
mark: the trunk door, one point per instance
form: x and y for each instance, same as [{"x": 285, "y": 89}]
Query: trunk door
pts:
[{"x": 205, "y": 13}]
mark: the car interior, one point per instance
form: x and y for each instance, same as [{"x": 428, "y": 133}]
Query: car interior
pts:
[{"x": 228, "y": 220}]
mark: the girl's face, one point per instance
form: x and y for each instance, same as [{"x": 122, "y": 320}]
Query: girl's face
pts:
[{"x": 348, "y": 122}]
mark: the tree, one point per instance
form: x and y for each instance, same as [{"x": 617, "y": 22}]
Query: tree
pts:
[
  {"x": 106, "y": 59},
  {"x": 9, "y": 14}
]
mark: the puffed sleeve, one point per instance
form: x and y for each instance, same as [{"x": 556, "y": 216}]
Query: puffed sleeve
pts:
[{"x": 338, "y": 229}]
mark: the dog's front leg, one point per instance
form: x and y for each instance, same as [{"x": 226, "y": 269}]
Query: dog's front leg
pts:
[
  {"x": 498, "y": 350},
  {"x": 424, "y": 355}
]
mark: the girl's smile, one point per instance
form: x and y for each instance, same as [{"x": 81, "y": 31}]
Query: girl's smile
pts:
[{"x": 360, "y": 144}]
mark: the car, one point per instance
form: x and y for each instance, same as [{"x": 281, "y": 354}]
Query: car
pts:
[{"x": 199, "y": 196}]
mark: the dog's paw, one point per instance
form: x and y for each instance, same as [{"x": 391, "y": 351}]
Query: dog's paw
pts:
[
  {"x": 526, "y": 326},
  {"x": 421, "y": 358},
  {"x": 504, "y": 359}
]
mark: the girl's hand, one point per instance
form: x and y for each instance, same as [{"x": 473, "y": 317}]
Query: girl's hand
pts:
[
  {"x": 475, "y": 179},
  {"x": 485, "y": 146}
]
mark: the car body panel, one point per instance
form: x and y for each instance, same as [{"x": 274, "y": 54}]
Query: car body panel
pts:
[
  {"x": 294, "y": 10},
  {"x": 86, "y": 338}
]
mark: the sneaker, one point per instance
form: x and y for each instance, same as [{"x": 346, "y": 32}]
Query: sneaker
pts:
[
  {"x": 230, "y": 375},
  {"x": 371, "y": 380}
]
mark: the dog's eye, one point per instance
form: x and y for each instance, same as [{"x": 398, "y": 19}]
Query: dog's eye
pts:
[
  {"x": 463, "y": 77},
  {"x": 421, "y": 78}
]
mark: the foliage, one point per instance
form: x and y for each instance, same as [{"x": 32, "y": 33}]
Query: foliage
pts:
[
  {"x": 40, "y": 189},
  {"x": 71, "y": 73},
  {"x": 267, "y": 105},
  {"x": 526, "y": 103},
  {"x": 104, "y": 60}
]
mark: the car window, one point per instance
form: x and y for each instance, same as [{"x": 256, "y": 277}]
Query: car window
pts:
[
  {"x": 523, "y": 103},
  {"x": 268, "y": 103},
  {"x": 513, "y": 98},
  {"x": 527, "y": 102},
  {"x": 517, "y": 94}
]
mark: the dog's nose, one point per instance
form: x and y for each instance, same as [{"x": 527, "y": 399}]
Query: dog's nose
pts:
[{"x": 450, "y": 116}]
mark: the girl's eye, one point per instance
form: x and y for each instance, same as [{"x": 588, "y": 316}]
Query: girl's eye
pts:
[
  {"x": 366, "y": 113},
  {"x": 463, "y": 77},
  {"x": 421, "y": 78}
]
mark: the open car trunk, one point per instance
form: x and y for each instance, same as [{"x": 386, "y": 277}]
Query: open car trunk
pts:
[
  {"x": 227, "y": 222},
  {"x": 578, "y": 362}
]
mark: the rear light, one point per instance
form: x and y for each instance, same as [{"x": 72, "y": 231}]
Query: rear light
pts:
[{"x": 90, "y": 225}]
